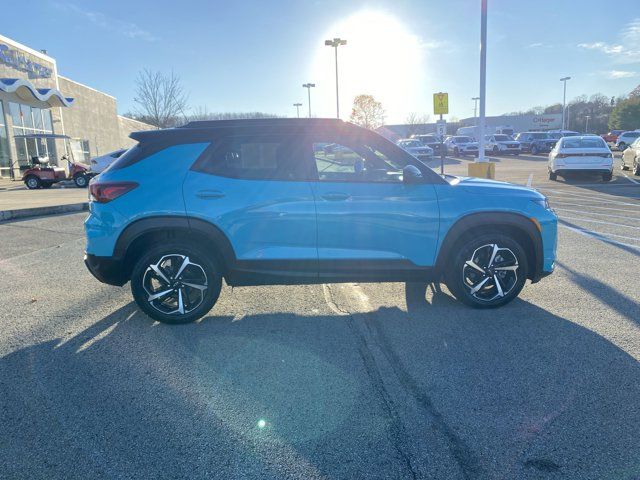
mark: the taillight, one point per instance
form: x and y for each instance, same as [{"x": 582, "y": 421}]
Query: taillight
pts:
[{"x": 107, "y": 191}]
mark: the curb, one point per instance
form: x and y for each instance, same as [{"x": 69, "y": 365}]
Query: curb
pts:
[{"x": 40, "y": 211}]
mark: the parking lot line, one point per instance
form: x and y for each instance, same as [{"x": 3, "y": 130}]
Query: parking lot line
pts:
[
  {"x": 598, "y": 236},
  {"x": 631, "y": 179},
  {"x": 615, "y": 209},
  {"x": 601, "y": 222},
  {"x": 530, "y": 180},
  {"x": 624, "y": 217}
]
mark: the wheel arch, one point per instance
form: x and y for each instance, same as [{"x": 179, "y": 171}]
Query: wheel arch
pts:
[
  {"x": 506, "y": 222},
  {"x": 141, "y": 233}
]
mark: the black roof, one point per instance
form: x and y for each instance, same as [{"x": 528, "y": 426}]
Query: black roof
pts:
[{"x": 203, "y": 129}]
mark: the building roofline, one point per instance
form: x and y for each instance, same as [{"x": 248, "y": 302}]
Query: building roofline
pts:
[
  {"x": 85, "y": 86},
  {"x": 137, "y": 121},
  {"x": 29, "y": 50}
]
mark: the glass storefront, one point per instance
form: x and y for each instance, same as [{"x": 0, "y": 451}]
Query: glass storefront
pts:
[
  {"x": 27, "y": 120},
  {"x": 5, "y": 160}
]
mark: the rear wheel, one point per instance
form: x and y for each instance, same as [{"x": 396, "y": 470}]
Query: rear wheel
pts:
[
  {"x": 495, "y": 149},
  {"x": 487, "y": 271},
  {"x": 553, "y": 176},
  {"x": 622, "y": 146},
  {"x": 606, "y": 177},
  {"x": 636, "y": 167},
  {"x": 175, "y": 283},
  {"x": 32, "y": 182}
]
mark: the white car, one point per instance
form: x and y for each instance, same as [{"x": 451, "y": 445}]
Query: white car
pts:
[
  {"x": 585, "y": 153},
  {"x": 500, "y": 144},
  {"x": 415, "y": 148},
  {"x": 99, "y": 164},
  {"x": 461, "y": 145},
  {"x": 625, "y": 139}
]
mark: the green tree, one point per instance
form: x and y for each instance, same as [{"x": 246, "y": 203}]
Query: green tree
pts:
[{"x": 626, "y": 114}]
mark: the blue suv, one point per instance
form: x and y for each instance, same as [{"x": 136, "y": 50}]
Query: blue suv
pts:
[{"x": 264, "y": 202}]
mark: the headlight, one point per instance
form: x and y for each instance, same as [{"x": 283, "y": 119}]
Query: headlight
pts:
[{"x": 542, "y": 202}]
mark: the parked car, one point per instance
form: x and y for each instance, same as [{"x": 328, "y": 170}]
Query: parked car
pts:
[
  {"x": 558, "y": 134},
  {"x": 415, "y": 148},
  {"x": 457, "y": 145},
  {"x": 631, "y": 157},
  {"x": 535, "y": 142},
  {"x": 249, "y": 201},
  {"x": 501, "y": 144},
  {"x": 612, "y": 136},
  {"x": 626, "y": 138},
  {"x": 99, "y": 164},
  {"x": 587, "y": 153},
  {"x": 431, "y": 141}
]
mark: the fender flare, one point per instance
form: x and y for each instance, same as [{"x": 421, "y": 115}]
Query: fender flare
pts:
[
  {"x": 166, "y": 223},
  {"x": 494, "y": 219}
]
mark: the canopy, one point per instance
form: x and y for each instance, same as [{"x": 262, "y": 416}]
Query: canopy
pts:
[
  {"x": 24, "y": 90},
  {"x": 42, "y": 135}
]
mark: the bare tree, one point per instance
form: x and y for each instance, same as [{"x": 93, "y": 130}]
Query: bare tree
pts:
[
  {"x": 161, "y": 99},
  {"x": 367, "y": 112},
  {"x": 203, "y": 113},
  {"x": 413, "y": 122}
]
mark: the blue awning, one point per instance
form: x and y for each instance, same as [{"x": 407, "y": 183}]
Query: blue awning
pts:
[{"x": 26, "y": 91}]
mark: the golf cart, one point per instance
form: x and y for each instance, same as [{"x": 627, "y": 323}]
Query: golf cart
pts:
[{"x": 41, "y": 174}]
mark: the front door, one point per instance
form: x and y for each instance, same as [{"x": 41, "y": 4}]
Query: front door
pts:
[{"x": 366, "y": 214}]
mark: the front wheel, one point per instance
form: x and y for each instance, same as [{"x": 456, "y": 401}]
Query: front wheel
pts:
[
  {"x": 621, "y": 146},
  {"x": 175, "y": 283},
  {"x": 487, "y": 271},
  {"x": 80, "y": 180},
  {"x": 534, "y": 150},
  {"x": 636, "y": 167}
]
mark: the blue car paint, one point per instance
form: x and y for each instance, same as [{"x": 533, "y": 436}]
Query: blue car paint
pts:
[{"x": 308, "y": 220}]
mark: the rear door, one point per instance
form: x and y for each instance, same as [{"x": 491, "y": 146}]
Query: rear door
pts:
[{"x": 255, "y": 189}]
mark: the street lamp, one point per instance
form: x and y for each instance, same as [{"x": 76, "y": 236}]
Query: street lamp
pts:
[
  {"x": 475, "y": 105},
  {"x": 586, "y": 125},
  {"x": 483, "y": 79},
  {"x": 564, "y": 98},
  {"x": 309, "y": 86},
  {"x": 297, "y": 105},
  {"x": 335, "y": 43}
]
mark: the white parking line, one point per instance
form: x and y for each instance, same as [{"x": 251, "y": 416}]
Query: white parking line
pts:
[
  {"x": 624, "y": 217},
  {"x": 601, "y": 222},
  {"x": 597, "y": 236},
  {"x": 555, "y": 201},
  {"x": 631, "y": 179},
  {"x": 530, "y": 180}
]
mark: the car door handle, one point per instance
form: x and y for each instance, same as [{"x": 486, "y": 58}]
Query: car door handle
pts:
[
  {"x": 334, "y": 197},
  {"x": 209, "y": 194}
]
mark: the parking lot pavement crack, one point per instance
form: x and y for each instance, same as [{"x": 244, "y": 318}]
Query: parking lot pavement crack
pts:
[
  {"x": 460, "y": 450},
  {"x": 397, "y": 431}
]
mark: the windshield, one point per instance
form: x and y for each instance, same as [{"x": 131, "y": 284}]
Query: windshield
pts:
[
  {"x": 411, "y": 143},
  {"x": 428, "y": 139},
  {"x": 462, "y": 139},
  {"x": 541, "y": 136},
  {"x": 631, "y": 134},
  {"x": 581, "y": 142}
]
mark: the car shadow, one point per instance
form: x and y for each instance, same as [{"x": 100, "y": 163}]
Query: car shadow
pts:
[{"x": 517, "y": 392}]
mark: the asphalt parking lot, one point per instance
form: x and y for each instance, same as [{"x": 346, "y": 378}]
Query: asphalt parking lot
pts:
[{"x": 330, "y": 381}]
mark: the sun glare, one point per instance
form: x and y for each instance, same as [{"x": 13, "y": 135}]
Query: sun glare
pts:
[{"x": 382, "y": 58}]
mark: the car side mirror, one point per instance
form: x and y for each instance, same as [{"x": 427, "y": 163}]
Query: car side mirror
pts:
[{"x": 411, "y": 175}]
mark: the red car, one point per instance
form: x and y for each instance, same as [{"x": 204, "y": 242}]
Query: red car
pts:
[{"x": 612, "y": 136}]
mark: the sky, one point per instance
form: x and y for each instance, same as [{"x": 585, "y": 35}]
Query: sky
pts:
[{"x": 254, "y": 55}]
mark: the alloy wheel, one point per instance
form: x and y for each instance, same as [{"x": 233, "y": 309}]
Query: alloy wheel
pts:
[
  {"x": 175, "y": 285},
  {"x": 491, "y": 272}
]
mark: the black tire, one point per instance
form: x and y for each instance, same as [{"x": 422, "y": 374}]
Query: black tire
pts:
[
  {"x": 456, "y": 152},
  {"x": 32, "y": 182},
  {"x": 534, "y": 150},
  {"x": 621, "y": 146},
  {"x": 201, "y": 270},
  {"x": 495, "y": 150},
  {"x": 460, "y": 277},
  {"x": 81, "y": 180},
  {"x": 606, "y": 177},
  {"x": 636, "y": 167},
  {"x": 553, "y": 176}
]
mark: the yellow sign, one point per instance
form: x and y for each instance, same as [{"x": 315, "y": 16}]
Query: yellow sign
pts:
[{"x": 440, "y": 103}]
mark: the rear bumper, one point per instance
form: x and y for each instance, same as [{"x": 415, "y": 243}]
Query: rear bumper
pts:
[
  {"x": 597, "y": 169},
  {"x": 107, "y": 269}
]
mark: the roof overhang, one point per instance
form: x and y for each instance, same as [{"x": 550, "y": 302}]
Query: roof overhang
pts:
[{"x": 24, "y": 90}]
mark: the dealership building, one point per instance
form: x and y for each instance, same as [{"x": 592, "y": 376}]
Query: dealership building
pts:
[{"x": 35, "y": 99}]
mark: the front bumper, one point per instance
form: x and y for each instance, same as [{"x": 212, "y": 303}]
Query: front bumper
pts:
[{"x": 108, "y": 270}]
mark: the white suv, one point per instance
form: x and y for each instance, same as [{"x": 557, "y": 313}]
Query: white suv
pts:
[
  {"x": 461, "y": 145},
  {"x": 501, "y": 144}
]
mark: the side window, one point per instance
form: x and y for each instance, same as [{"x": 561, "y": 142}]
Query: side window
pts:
[
  {"x": 257, "y": 158},
  {"x": 355, "y": 162}
]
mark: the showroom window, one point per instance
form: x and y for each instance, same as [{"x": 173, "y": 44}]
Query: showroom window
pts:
[
  {"x": 5, "y": 161},
  {"x": 28, "y": 120}
]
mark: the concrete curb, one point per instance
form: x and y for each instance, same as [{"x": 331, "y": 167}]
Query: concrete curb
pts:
[{"x": 40, "y": 211}]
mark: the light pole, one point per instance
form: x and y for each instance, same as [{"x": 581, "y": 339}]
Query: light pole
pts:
[
  {"x": 309, "y": 86},
  {"x": 297, "y": 105},
  {"x": 483, "y": 79},
  {"x": 586, "y": 124},
  {"x": 335, "y": 43},
  {"x": 475, "y": 106},
  {"x": 564, "y": 98}
]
